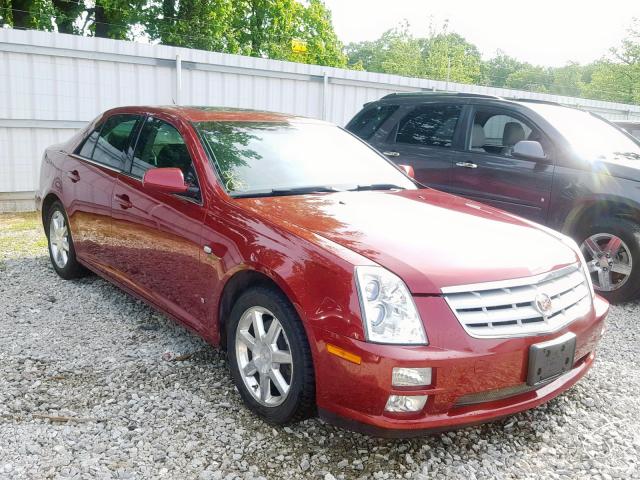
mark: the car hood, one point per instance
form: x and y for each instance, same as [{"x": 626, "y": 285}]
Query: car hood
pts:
[
  {"x": 620, "y": 165},
  {"x": 428, "y": 238}
]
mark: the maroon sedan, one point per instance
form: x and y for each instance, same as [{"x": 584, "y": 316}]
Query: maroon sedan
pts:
[{"x": 334, "y": 282}]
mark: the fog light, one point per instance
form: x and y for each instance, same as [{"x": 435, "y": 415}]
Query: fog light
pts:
[
  {"x": 406, "y": 403},
  {"x": 411, "y": 377}
]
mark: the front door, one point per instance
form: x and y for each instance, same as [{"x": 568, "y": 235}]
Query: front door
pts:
[
  {"x": 487, "y": 170},
  {"x": 158, "y": 235},
  {"x": 426, "y": 139}
]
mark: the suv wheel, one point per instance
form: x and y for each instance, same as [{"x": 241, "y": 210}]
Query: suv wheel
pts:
[
  {"x": 269, "y": 357},
  {"x": 611, "y": 248},
  {"x": 61, "y": 249}
]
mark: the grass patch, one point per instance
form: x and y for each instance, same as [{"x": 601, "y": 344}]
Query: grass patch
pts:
[{"x": 21, "y": 235}]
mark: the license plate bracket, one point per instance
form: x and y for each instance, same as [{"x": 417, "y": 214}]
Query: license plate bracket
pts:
[{"x": 548, "y": 360}]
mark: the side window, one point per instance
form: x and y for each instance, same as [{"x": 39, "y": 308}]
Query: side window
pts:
[
  {"x": 497, "y": 132},
  {"x": 87, "y": 147},
  {"x": 160, "y": 145},
  {"x": 113, "y": 140},
  {"x": 430, "y": 125},
  {"x": 367, "y": 122}
]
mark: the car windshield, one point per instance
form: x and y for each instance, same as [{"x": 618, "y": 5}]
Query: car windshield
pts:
[
  {"x": 294, "y": 157},
  {"x": 590, "y": 136}
]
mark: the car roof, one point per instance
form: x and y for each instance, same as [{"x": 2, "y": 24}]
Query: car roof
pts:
[{"x": 213, "y": 114}]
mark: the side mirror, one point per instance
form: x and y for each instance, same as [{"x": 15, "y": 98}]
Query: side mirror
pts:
[
  {"x": 529, "y": 150},
  {"x": 165, "y": 180},
  {"x": 408, "y": 169}
]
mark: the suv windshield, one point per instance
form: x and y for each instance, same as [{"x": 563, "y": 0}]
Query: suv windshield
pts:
[
  {"x": 588, "y": 135},
  {"x": 294, "y": 157}
]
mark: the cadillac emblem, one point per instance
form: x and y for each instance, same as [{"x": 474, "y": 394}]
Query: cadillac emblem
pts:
[{"x": 543, "y": 304}]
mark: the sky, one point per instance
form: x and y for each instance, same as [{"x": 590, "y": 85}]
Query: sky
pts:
[{"x": 542, "y": 32}]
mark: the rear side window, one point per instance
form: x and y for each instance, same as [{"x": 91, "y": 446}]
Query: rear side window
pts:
[
  {"x": 113, "y": 141},
  {"x": 87, "y": 148},
  {"x": 430, "y": 125},
  {"x": 367, "y": 122}
]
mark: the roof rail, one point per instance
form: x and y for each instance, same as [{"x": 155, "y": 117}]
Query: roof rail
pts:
[
  {"x": 427, "y": 93},
  {"x": 535, "y": 100}
]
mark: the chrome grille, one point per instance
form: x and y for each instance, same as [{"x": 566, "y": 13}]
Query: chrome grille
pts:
[{"x": 508, "y": 308}]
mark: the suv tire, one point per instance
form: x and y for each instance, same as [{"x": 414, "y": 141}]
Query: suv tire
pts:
[{"x": 596, "y": 239}]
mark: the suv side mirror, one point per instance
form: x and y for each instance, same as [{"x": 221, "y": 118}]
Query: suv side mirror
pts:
[
  {"x": 528, "y": 149},
  {"x": 165, "y": 180}
]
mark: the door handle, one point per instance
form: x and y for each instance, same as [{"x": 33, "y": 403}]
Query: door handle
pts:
[
  {"x": 391, "y": 154},
  {"x": 124, "y": 201},
  {"x": 466, "y": 165},
  {"x": 74, "y": 176}
]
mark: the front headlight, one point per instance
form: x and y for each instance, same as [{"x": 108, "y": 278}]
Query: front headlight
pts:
[{"x": 388, "y": 311}]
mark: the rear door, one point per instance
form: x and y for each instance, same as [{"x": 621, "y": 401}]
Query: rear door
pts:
[
  {"x": 488, "y": 172},
  {"x": 88, "y": 180},
  {"x": 426, "y": 137},
  {"x": 159, "y": 234}
]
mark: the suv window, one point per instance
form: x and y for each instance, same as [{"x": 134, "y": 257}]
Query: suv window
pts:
[
  {"x": 112, "y": 141},
  {"x": 160, "y": 145},
  {"x": 496, "y": 132},
  {"x": 367, "y": 122},
  {"x": 430, "y": 125}
]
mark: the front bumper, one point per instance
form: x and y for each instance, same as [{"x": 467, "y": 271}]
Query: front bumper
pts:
[{"x": 474, "y": 380}]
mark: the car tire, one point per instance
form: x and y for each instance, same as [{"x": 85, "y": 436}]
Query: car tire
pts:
[
  {"x": 255, "y": 367},
  {"x": 598, "y": 236},
  {"x": 61, "y": 249}
]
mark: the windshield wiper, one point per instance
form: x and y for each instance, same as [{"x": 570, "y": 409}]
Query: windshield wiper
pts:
[
  {"x": 377, "y": 186},
  {"x": 278, "y": 192}
]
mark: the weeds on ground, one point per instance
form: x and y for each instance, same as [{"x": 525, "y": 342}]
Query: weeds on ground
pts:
[{"x": 21, "y": 235}]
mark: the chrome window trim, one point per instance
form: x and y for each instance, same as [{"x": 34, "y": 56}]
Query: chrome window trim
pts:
[{"x": 93, "y": 162}]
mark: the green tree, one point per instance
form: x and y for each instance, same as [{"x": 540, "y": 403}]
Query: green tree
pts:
[
  {"x": 259, "y": 28},
  {"x": 618, "y": 78},
  {"x": 496, "y": 70},
  {"x": 439, "y": 56},
  {"x": 530, "y": 77},
  {"x": 448, "y": 56},
  {"x": 567, "y": 80}
]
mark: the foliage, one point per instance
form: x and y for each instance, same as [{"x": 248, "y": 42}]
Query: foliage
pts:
[{"x": 440, "y": 56}]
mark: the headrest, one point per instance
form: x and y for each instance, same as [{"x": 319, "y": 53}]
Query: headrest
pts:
[{"x": 513, "y": 133}]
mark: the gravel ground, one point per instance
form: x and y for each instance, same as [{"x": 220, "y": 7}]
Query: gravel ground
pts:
[{"x": 87, "y": 390}]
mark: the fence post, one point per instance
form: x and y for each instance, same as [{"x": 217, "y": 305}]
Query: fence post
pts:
[
  {"x": 178, "y": 99},
  {"x": 325, "y": 96}
]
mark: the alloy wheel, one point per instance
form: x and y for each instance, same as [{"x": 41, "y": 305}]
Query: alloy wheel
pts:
[
  {"x": 59, "y": 239},
  {"x": 609, "y": 261},
  {"x": 264, "y": 356}
]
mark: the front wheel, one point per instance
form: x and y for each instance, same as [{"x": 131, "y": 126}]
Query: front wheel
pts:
[
  {"x": 269, "y": 357},
  {"x": 611, "y": 248}
]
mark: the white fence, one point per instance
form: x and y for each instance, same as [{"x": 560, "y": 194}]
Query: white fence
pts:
[{"x": 52, "y": 84}]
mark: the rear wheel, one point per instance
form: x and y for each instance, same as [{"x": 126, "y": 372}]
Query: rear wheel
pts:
[
  {"x": 61, "y": 249},
  {"x": 611, "y": 248},
  {"x": 269, "y": 357}
]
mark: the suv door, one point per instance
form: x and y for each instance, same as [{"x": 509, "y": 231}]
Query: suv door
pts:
[
  {"x": 159, "y": 234},
  {"x": 89, "y": 177},
  {"x": 488, "y": 171},
  {"x": 426, "y": 137}
]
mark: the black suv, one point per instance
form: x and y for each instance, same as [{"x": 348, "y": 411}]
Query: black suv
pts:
[{"x": 563, "y": 167}]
